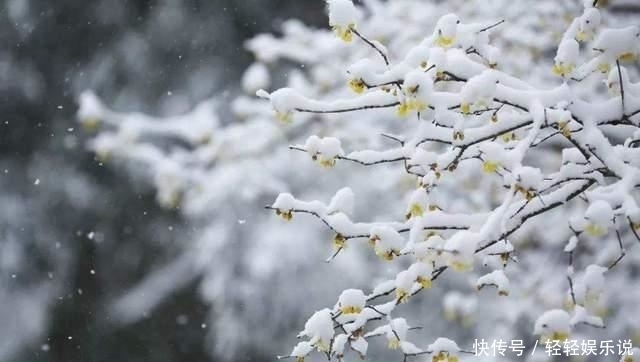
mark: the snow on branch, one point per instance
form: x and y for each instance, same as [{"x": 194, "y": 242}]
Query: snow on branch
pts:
[
  {"x": 496, "y": 149},
  {"x": 464, "y": 112}
]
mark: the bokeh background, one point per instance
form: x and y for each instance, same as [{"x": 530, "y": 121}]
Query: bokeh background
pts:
[{"x": 75, "y": 235}]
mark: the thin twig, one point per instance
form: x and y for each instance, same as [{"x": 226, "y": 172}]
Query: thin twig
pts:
[
  {"x": 371, "y": 44},
  {"x": 622, "y": 251},
  {"x": 491, "y": 26},
  {"x": 621, "y": 86},
  {"x": 570, "y": 279},
  {"x": 346, "y": 110}
]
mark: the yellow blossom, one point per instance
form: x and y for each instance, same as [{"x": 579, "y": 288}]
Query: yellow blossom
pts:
[
  {"x": 415, "y": 210},
  {"x": 322, "y": 346},
  {"x": 394, "y": 343},
  {"x": 286, "y": 215},
  {"x": 458, "y": 135},
  {"x": 568, "y": 304},
  {"x": 490, "y": 166},
  {"x": 594, "y": 230},
  {"x": 339, "y": 242},
  {"x": 402, "y": 110},
  {"x": 528, "y": 194},
  {"x": 556, "y": 336},
  {"x": 450, "y": 314},
  {"x": 628, "y": 57},
  {"x": 90, "y": 124},
  {"x": 444, "y": 41},
  {"x": 562, "y": 70},
  {"x": 402, "y": 295},
  {"x": 444, "y": 357},
  {"x": 425, "y": 283},
  {"x": 467, "y": 321},
  {"x": 327, "y": 162},
  {"x": 604, "y": 68},
  {"x": 410, "y": 105},
  {"x": 583, "y": 36},
  {"x": 103, "y": 155},
  {"x": 505, "y": 258},
  {"x": 205, "y": 139},
  {"x": 284, "y": 117},
  {"x": 344, "y": 33},
  {"x": 460, "y": 266},
  {"x": 386, "y": 255},
  {"x": 564, "y": 129},
  {"x": 357, "y": 85},
  {"x": 416, "y": 105},
  {"x": 174, "y": 200},
  {"x": 507, "y": 137},
  {"x": 350, "y": 309}
]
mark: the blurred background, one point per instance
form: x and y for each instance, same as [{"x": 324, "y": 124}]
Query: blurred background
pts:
[{"x": 76, "y": 235}]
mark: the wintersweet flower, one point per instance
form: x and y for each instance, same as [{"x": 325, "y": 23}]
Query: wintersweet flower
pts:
[
  {"x": 446, "y": 30},
  {"x": 301, "y": 350},
  {"x": 339, "y": 242},
  {"x": 444, "y": 350},
  {"x": 599, "y": 217},
  {"x": 565, "y": 60},
  {"x": 460, "y": 249},
  {"x": 386, "y": 241},
  {"x": 404, "y": 283},
  {"x": 422, "y": 273},
  {"x": 357, "y": 85},
  {"x": 342, "y": 18},
  {"x": 352, "y": 301},
  {"x": 284, "y": 206},
  {"x": 553, "y": 325},
  {"x": 490, "y": 166},
  {"x": 319, "y": 328}
]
